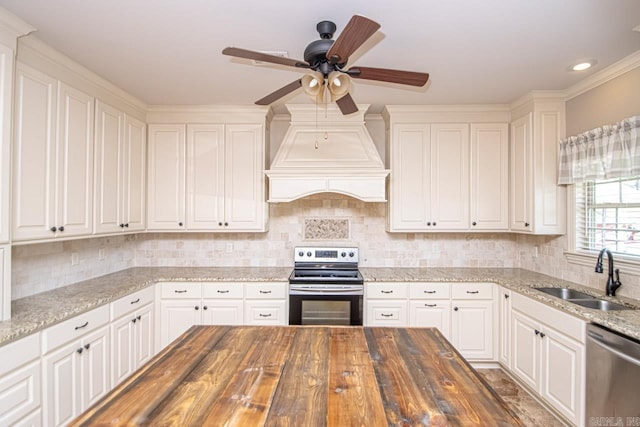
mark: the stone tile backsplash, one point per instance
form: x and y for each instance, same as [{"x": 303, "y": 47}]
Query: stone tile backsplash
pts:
[{"x": 316, "y": 220}]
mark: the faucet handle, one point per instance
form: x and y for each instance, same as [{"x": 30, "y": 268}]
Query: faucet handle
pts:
[{"x": 617, "y": 282}]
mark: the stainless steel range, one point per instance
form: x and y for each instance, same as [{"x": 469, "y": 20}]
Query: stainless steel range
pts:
[{"x": 325, "y": 287}]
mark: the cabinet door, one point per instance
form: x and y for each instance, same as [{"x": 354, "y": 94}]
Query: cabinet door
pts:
[
  {"x": 428, "y": 313},
  {"x": 561, "y": 374},
  {"x": 472, "y": 329},
  {"x": 74, "y": 193},
  {"x": 222, "y": 312},
  {"x": 34, "y": 155},
  {"x": 521, "y": 210},
  {"x": 449, "y": 182},
  {"x": 144, "y": 335},
  {"x": 489, "y": 176},
  {"x": 109, "y": 152},
  {"x": 525, "y": 349},
  {"x": 166, "y": 207},
  {"x": 19, "y": 393},
  {"x": 122, "y": 349},
  {"x": 409, "y": 193},
  {"x": 504, "y": 346},
  {"x": 176, "y": 316},
  {"x": 61, "y": 376},
  {"x": 135, "y": 172},
  {"x": 6, "y": 99},
  {"x": 96, "y": 367},
  {"x": 244, "y": 185},
  {"x": 205, "y": 177}
]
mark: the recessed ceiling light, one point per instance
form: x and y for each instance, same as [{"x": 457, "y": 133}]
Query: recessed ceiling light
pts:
[{"x": 583, "y": 65}]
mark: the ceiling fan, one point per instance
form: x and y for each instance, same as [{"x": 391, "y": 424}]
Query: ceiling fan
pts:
[{"x": 328, "y": 58}]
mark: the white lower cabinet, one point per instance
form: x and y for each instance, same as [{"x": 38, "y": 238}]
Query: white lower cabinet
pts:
[
  {"x": 20, "y": 402},
  {"x": 472, "y": 329},
  {"x": 431, "y": 314},
  {"x": 184, "y": 304},
  {"x": 547, "y": 354},
  {"x": 265, "y": 303},
  {"x": 132, "y": 334},
  {"x": 386, "y": 304},
  {"x": 75, "y": 365}
]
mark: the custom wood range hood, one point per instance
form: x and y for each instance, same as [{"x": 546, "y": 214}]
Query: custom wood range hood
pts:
[{"x": 325, "y": 151}]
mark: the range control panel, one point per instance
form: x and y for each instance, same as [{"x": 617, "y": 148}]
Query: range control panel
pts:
[{"x": 326, "y": 254}]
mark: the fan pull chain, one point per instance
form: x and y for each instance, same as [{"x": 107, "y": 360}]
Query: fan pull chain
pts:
[{"x": 317, "y": 131}]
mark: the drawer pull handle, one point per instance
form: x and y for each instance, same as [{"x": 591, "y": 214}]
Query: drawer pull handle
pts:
[
  {"x": 180, "y": 292},
  {"x": 223, "y": 292},
  {"x": 430, "y": 305},
  {"x": 429, "y": 292},
  {"x": 386, "y": 315},
  {"x": 265, "y": 292},
  {"x": 136, "y": 301},
  {"x": 82, "y": 326},
  {"x": 386, "y": 292},
  {"x": 264, "y": 315},
  {"x": 473, "y": 292}
]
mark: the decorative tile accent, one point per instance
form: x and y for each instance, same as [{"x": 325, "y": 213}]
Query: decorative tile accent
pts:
[{"x": 326, "y": 229}]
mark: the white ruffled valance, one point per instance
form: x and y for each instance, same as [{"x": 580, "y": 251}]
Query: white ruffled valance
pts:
[{"x": 611, "y": 151}]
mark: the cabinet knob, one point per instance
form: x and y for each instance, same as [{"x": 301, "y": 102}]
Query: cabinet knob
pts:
[
  {"x": 455, "y": 308},
  {"x": 139, "y": 317},
  {"x": 133, "y": 320},
  {"x": 542, "y": 334},
  {"x": 197, "y": 307},
  {"x": 434, "y": 223},
  {"x": 429, "y": 223},
  {"x": 474, "y": 223},
  {"x": 61, "y": 228},
  {"x": 87, "y": 345},
  {"x": 180, "y": 223},
  {"x": 506, "y": 296},
  {"x": 79, "y": 350},
  {"x": 220, "y": 224},
  {"x": 526, "y": 224},
  {"x": 121, "y": 225},
  {"x": 53, "y": 229},
  {"x": 205, "y": 307},
  {"x": 127, "y": 225},
  {"x": 226, "y": 224},
  {"x": 537, "y": 332}
]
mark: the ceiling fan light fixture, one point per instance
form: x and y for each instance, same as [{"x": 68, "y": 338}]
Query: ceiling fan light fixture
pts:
[
  {"x": 339, "y": 84},
  {"x": 313, "y": 85}
]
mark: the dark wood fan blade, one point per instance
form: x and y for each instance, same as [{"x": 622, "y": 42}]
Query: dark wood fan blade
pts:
[
  {"x": 410, "y": 78},
  {"x": 259, "y": 56},
  {"x": 285, "y": 90},
  {"x": 347, "y": 105},
  {"x": 357, "y": 31}
]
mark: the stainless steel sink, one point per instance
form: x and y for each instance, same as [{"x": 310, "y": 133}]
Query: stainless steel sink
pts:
[
  {"x": 565, "y": 293},
  {"x": 599, "y": 304},
  {"x": 582, "y": 299}
]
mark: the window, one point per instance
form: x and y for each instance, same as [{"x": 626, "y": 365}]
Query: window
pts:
[{"x": 608, "y": 215}]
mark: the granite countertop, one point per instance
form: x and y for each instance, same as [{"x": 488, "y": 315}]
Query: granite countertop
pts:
[{"x": 40, "y": 311}]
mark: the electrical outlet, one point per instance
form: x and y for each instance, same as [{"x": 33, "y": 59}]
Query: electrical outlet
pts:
[
  {"x": 100, "y": 254},
  {"x": 229, "y": 248},
  {"x": 75, "y": 258}
]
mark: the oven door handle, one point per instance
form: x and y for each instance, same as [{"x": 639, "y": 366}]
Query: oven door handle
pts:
[{"x": 331, "y": 291}]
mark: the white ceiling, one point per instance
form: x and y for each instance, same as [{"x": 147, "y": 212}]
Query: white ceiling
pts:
[{"x": 476, "y": 51}]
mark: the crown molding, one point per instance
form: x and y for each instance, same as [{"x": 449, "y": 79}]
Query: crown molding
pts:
[
  {"x": 617, "y": 69},
  {"x": 12, "y": 27},
  {"x": 208, "y": 113}
]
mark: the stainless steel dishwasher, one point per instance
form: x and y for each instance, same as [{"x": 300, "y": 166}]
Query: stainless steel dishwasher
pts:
[{"x": 613, "y": 378}]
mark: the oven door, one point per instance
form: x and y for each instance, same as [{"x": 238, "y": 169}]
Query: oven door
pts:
[{"x": 309, "y": 305}]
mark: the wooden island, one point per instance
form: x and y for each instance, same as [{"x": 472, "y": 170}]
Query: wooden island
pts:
[{"x": 304, "y": 376}]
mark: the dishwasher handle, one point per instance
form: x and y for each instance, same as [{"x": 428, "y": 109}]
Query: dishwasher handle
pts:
[{"x": 599, "y": 340}]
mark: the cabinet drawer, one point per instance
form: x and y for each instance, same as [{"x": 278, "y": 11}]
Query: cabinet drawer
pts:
[
  {"x": 386, "y": 290},
  {"x": 428, "y": 290},
  {"x": 131, "y": 302},
  {"x": 265, "y": 290},
  {"x": 226, "y": 290},
  {"x": 19, "y": 352},
  {"x": 263, "y": 313},
  {"x": 181, "y": 290},
  {"x": 74, "y": 328},
  {"x": 472, "y": 290},
  {"x": 387, "y": 313}
]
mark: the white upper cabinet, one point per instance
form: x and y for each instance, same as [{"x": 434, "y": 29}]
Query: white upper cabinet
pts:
[
  {"x": 449, "y": 169},
  {"x": 166, "y": 198},
  {"x": 211, "y": 180},
  {"x": 537, "y": 202},
  {"x": 489, "y": 176},
  {"x": 120, "y": 171},
  {"x": 53, "y": 159},
  {"x": 6, "y": 85}
]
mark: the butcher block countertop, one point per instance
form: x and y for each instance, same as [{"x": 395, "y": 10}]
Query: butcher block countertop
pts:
[{"x": 304, "y": 376}]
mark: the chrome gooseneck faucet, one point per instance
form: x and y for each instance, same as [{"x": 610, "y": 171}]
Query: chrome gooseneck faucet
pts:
[{"x": 611, "y": 285}]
